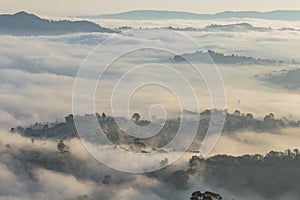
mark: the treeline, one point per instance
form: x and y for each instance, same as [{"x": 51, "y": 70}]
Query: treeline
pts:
[
  {"x": 211, "y": 57},
  {"x": 273, "y": 175},
  {"x": 234, "y": 122},
  {"x": 23, "y": 23}
]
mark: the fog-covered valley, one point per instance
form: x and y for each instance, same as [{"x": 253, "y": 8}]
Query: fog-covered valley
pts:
[{"x": 42, "y": 155}]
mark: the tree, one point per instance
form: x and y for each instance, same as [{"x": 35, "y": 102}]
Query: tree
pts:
[
  {"x": 106, "y": 179},
  {"x": 136, "y": 117},
  {"x": 249, "y": 115},
  {"x": 237, "y": 113},
  {"x": 62, "y": 147},
  {"x": 164, "y": 162},
  {"x": 205, "y": 196},
  {"x": 138, "y": 144},
  {"x": 196, "y": 163},
  {"x": 296, "y": 151},
  {"x": 288, "y": 153},
  {"x": 272, "y": 116}
]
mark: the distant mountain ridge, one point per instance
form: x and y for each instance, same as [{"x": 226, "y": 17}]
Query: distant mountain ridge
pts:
[
  {"x": 290, "y": 15},
  {"x": 23, "y": 23},
  {"x": 229, "y": 28}
]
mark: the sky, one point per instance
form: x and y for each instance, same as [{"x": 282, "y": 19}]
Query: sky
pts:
[{"x": 90, "y": 7}]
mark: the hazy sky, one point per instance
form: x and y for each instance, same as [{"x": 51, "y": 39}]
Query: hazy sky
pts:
[{"x": 82, "y": 7}]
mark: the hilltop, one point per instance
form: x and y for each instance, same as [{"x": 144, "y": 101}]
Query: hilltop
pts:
[{"x": 23, "y": 23}]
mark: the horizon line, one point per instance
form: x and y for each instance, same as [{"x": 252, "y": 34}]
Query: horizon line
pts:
[{"x": 153, "y": 10}]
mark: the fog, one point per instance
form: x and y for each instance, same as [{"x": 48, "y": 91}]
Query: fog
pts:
[
  {"x": 37, "y": 73},
  {"x": 37, "y": 76},
  {"x": 36, "y": 171},
  {"x": 261, "y": 143},
  {"x": 39, "y": 171},
  {"x": 115, "y": 23}
]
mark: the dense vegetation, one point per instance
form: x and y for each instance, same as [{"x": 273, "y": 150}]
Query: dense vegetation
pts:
[
  {"x": 271, "y": 176},
  {"x": 23, "y": 23},
  {"x": 235, "y": 122},
  {"x": 228, "y": 27},
  {"x": 219, "y": 58}
]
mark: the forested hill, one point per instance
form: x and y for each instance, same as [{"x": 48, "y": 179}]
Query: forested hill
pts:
[
  {"x": 219, "y": 58},
  {"x": 272, "y": 176},
  {"x": 23, "y": 23},
  {"x": 236, "y": 122}
]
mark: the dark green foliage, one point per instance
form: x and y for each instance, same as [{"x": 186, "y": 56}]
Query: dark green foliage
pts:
[
  {"x": 236, "y": 122},
  {"x": 136, "y": 117},
  {"x": 205, "y": 196},
  {"x": 265, "y": 175},
  {"x": 23, "y": 23},
  {"x": 106, "y": 179},
  {"x": 62, "y": 147},
  {"x": 219, "y": 58}
]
